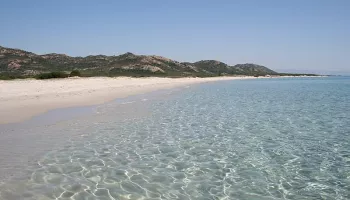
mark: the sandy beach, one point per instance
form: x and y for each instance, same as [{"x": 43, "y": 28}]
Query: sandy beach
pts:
[{"x": 23, "y": 99}]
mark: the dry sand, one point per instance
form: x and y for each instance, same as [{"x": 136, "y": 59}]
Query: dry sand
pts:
[{"x": 23, "y": 99}]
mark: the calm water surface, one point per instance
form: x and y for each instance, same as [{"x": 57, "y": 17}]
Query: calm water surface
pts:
[{"x": 249, "y": 139}]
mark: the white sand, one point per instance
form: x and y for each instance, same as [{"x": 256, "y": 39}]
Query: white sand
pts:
[{"x": 22, "y": 99}]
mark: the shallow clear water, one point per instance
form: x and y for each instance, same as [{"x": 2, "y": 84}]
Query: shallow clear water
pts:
[{"x": 249, "y": 139}]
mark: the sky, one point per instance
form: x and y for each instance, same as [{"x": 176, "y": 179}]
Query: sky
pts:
[{"x": 287, "y": 36}]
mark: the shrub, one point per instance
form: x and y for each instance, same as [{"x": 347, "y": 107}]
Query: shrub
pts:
[
  {"x": 52, "y": 75},
  {"x": 10, "y": 76},
  {"x": 75, "y": 73}
]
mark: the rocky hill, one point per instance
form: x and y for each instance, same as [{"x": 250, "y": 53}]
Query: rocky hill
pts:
[{"x": 20, "y": 63}]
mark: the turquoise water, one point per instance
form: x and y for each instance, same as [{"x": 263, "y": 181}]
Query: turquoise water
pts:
[{"x": 249, "y": 139}]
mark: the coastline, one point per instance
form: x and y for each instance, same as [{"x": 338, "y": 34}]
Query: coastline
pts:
[
  {"x": 26, "y": 151},
  {"x": 22, "y": 99}
]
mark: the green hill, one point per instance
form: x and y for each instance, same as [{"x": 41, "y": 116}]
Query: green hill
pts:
[{"x": 16, "y": 63}]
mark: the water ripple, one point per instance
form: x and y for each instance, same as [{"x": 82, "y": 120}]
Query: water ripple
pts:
[{"x": 239, "y": 140}]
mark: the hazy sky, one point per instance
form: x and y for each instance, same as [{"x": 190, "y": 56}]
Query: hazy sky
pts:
[{"x": 301, "y": 35}]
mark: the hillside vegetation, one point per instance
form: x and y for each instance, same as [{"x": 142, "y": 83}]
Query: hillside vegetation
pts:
[{"x": 16, "y": 63}]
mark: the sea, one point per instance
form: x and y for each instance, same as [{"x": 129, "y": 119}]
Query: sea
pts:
[{"x": 259, "y": 139}]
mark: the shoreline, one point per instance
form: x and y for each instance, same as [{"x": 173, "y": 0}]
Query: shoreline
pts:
[{"x": 23, "y": 99}]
